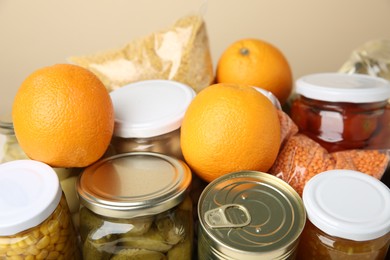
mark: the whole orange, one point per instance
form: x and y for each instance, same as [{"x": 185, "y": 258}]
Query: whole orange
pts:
[
  {"x": 227, "y": 128},
  {"x": 257, "y": 63},
  {"x": 63, "y": 116}
]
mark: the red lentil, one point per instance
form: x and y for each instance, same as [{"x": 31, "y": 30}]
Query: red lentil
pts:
[{"x": 300, "y": 158}]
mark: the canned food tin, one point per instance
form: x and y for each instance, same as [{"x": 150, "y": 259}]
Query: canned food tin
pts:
[
  {"x": 249, "y": 215},
  {"x": 35, "y": 222},
  {"x": 135, "y": 206}
]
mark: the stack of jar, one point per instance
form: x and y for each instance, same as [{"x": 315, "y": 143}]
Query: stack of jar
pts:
[{"x": 135, "y": 201}]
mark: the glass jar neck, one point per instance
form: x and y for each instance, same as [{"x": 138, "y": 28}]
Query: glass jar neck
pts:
[{"x": 6, "y": 128}]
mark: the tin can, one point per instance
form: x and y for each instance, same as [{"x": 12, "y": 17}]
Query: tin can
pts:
[
  {"x": 35, "y": 222},
  {"x": 249, "y": 215},
  {"x": 135, "y": 206},
  {"x": 348, "y": 217},
  {"x": 148, "y": 116}
]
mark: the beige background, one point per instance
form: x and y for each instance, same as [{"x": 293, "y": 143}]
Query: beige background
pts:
[{"x": 315, "y": 36}]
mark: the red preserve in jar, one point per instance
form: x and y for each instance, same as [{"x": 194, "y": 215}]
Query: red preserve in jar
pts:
[{"x": 343, "y": 111}]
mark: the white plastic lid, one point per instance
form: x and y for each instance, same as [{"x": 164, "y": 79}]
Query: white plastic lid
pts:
[
  {"x": 348, "y": 204},
  {"x": 150, "y": 108},
  {"x": 339, "y": 87},
  {"x": 29, "y": 193}
]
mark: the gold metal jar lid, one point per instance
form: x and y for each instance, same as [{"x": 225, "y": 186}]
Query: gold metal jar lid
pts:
[
  {"x": 134, "y": 184},
  {"x": 250, "y": 215}
]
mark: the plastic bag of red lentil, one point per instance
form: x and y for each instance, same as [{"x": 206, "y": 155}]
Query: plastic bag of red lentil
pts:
[{"x": 300, "y": 158}]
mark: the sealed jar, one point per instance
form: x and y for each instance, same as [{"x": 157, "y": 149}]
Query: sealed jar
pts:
[
  {"x": 348, "y": 217},
  {"x": 342, "y": 111},
  {"x": 249, "y": 215},
  {"x": 35, "y": 222},
  {"x": 11, "y": 151},
  {"x": 148, "y": 116},
  {"x": 9, "y": 146},
  {"x": 136, "y": 206}
]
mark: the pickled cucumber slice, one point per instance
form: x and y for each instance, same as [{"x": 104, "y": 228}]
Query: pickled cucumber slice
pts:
[
  {"x": 94, "y": 251},
  {"x": 152, "y": 240},
  {"x": 171, "y": 228},
  {"x": 138, "y": 254}
]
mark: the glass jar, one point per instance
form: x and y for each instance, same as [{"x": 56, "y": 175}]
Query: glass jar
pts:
[
  {"x": 249, "y": 215},
  {"x": 148, "y": 116},
  {"x": 9, "y": 146},
  {"x": 35, "y": 222},
  {"x": 11, "y": 150},
  {"x": 135, "y": 206},
  {"x": 349, "y": 217},
  {"x": 343, "y": 111}
]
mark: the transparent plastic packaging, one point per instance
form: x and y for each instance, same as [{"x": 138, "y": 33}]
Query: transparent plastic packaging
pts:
[
  {"x": 180, "y": 53},
  {"x": 371, "y": 58},
  {"x": 36, "y": 222},
  {"x": 300, "y": 158}
]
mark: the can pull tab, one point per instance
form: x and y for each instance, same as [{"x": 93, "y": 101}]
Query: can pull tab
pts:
[{"x": 228, "y": 216}]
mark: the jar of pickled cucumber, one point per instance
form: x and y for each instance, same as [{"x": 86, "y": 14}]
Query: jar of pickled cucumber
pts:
[
  {"x": 148, "y": 116},
  {"x": 348, "y": 217},
  {"x": 136, "y": 206},
  {"x": 35, "y": 221}
]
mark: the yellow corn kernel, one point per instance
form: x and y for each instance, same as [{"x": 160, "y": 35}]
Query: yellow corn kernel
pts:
[
  {"x": 32, "y": 250},
  {"x": 60, "y": 247},
  {"x": 53, "y": 255},
  {"x": 43, "y": 254},
  {"x": 53, "y": 226},
  {"x": 54, "y": 238},
  {"x": 44, "y": 242},
  {"x": 29, "y": 257}
]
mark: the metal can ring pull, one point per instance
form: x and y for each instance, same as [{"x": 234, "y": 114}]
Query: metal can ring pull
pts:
[{"x": 228, "y": 216}]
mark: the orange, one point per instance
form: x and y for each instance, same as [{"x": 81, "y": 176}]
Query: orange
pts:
[
  {"x": 63, "y": 116},
  {"x": 228, "y": 128},
  {"x": 257, "y": 63}
]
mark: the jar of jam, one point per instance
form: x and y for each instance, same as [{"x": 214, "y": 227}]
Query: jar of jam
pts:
[
  {"x": 249, "y": 215},
  {"x": 343, "y": 111},
  {"x": 148, "y": 116},
  {"x": 136, "y": 206},
  {"x": 348, "y": 217},
  {"x": 35, "y": 222}
]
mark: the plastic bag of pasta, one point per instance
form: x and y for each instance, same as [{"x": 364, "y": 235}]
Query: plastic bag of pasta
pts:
[{"x": 180, "y": 53}]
